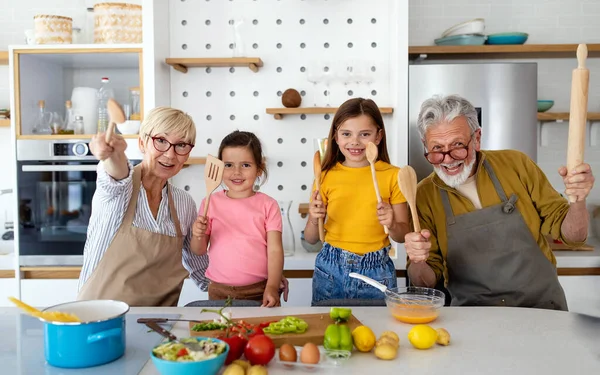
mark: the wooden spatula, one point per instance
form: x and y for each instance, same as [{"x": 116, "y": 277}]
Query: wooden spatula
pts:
[
  {"x": 407, "y": 180},
  {"x": 372, "y": 154},
  {"x": 213, "y": 176},
  {"x": 115, "y": 116},
  {"x": 317, "y": 171}
]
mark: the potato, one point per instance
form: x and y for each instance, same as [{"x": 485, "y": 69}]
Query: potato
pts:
[
  {"x": 443, "y": 337},
  {"x": 387, "y": 340},
  {"x": 234, "y": 369},
  {"x": 244, "y": 364},
  {"x": 386, "y": 351},
  {"x": 257, "y": 370},
  {"x": 391, "y": 334}
]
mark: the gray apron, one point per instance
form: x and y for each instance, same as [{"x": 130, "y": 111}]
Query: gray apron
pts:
[{"x": 493, "y": 259}]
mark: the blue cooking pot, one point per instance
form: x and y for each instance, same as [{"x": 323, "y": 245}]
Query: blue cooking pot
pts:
[{"x": 98, "y": 339}]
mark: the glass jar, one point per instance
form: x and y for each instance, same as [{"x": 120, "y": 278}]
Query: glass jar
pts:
[
  {"x": 134, "y": 102},
  {"x": 287, "y": 232}
]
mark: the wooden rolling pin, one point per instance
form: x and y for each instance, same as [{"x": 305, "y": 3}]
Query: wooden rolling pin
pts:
[{"x": 578, "y": 115}]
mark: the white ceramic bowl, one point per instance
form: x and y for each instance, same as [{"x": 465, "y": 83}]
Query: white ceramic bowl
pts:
[
  {"x": 475, "y": 26},
  {"x": 129, "y": 127}
]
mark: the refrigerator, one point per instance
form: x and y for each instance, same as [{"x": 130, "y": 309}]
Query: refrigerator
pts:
[{"x": 504, "y": 94}]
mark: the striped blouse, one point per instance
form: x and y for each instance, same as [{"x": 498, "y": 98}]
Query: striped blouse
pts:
[{"x": 109, "y": 204}]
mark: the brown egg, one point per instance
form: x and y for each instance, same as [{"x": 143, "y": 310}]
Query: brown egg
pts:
[
  {"x": 310, "y": 354},
  {"x": 287, "y": 353}
]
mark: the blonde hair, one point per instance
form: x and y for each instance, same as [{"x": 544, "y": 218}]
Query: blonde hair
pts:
[{"x": 171, "y": 121}]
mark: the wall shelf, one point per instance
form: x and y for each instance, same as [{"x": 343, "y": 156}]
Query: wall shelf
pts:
[
  {"x": 195, "y": 161},
  {"x": 303, "y": 209},
  {"x": 3, "y": 57},
  {"x": 279, "y": 112},
  {"x": 184, "y": 63},
  {"x": 499, "y": 51},
  {"x": 4, "y": 123},
  {"x": 564, "y": 116}
]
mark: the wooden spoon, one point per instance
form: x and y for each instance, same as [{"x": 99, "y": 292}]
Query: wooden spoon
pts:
[
  {"x": 115, "y": 116},
  {"x": 372, "y": 154},
  {"x": 317, "y": 172},
  {"x": 407, "y": 180},
  {"x": 51, "y": 316}
]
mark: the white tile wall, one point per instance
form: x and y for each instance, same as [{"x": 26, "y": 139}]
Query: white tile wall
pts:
[{"x": 546, "y": 22}]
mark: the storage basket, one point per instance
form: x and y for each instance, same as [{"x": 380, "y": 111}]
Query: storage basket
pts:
[
  {"x": 50, "y": 29},
  {"x": 116, "y": 23}
]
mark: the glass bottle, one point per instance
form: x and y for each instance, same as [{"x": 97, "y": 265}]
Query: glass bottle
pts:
[
  {"x": 77, "y": 125},
  {"x": 134, "y": 102},
  {"x": 104, "y": 93},
  {"x": 287, "y": 232},
  {"x": 41, "y": 124}
]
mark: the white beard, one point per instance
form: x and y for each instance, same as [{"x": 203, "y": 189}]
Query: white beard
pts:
[{"x": 459, "y": 179}]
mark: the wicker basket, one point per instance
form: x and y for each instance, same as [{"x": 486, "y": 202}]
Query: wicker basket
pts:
[
  {"x": 116, "y": 23},
  {"x": 51, "y": 29}
]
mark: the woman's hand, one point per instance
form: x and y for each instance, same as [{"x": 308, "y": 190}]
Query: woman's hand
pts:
[
  {"x": 271, "y": 297},
  {"x": 102, "y": 150},
  {"x": 316, "y": 208},
  {"x": 200, "y": 226}
]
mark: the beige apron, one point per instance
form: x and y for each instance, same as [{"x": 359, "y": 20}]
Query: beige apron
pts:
[{"x": 139, "y": 267}]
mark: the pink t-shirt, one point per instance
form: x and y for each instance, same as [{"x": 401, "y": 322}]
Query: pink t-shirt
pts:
[{"x": 238, "y": 237}]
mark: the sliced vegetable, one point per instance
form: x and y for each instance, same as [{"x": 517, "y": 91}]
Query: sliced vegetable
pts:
[
  {"x": 337, "y": 337},
  {"x": 340, "y": 314},
  {"x": 208, "y": 326},
  {"x": 289, "y": 324}
]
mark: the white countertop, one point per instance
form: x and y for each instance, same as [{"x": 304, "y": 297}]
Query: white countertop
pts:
[{"x": 485, "y": 341}]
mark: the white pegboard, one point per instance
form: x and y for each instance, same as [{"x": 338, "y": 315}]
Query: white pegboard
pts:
[{"x": 286, "y": 35}]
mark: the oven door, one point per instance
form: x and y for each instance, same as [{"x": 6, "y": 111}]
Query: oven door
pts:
[{"x": 55, "y": 200}]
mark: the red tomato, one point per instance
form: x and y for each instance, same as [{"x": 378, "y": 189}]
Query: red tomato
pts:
[
  {"x": 259, "y": 350},
  {"x": 182, "y": 352}
]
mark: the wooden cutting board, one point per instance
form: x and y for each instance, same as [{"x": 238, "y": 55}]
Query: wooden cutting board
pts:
[
  {"x": 561, "y": 246},
  {"x": 317, "y": 323}
]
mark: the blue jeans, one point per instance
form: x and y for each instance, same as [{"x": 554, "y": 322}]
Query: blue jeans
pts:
[{"x": 332, "y": 266}]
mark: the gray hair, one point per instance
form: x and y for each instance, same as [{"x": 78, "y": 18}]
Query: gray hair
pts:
[{"x": 438, "y": 109}]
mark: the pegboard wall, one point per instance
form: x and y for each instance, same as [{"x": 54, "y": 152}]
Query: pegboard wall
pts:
[{"x": 293, "y": 38}]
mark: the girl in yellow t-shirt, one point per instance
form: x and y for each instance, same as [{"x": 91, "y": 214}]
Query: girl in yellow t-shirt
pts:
[{"x": 355, "y": 240}]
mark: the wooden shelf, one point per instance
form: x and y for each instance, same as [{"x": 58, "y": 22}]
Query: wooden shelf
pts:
[
  {"x": 182, "y": 64},
  {"x": 279, "y": 112},
  {"x": 195, "y": 161},
  {"x": 7, "y": 274},
  {"x": 564, "y": 116},
  {"x": 66, "y": 136},
  {"x": 3, "y": 57},
  {"x": 64, "y": 272},
  {"x": 303, "y": 209},
  {"x": 500, "y": 51},
  {"x": 4, "y": 123}
]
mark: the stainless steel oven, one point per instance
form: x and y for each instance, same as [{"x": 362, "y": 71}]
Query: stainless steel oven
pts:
[{"x": 56, "y": 180}]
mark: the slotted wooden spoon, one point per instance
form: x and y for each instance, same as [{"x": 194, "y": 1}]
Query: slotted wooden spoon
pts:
[
  {"x": 317, "y": 171},
  {"x": 213, "y": 176},
  {"x": 115, "y": 116},
  {"x": 407, "y": 180},
  {"x": 372, "y": 154}
]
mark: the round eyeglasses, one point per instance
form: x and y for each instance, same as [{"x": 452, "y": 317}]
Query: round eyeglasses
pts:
[
  {"x": 162, "y": 145},
  {"x": 458, "y": 154}
]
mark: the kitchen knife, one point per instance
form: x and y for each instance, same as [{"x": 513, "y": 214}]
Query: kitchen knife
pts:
[{"x": 578, "y": 115}]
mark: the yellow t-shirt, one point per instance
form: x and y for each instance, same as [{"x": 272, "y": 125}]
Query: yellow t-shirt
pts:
[
  {"x": 542, "y": 207},
  {"x": 351, "y": 223}
]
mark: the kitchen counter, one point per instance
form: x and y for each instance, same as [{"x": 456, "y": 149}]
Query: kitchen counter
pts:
[{"x": 485, "y": 341}]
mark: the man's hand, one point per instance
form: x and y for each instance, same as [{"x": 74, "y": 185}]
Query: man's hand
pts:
[
  {"x": 578, "y": 182},
  {"x": 417, "y": 246}
]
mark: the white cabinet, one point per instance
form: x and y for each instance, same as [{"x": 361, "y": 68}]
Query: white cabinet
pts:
[
  {"x": 8, "y": 288},
  {"x": 48, "y": 292},
  {"x": 582, "y": 293}
]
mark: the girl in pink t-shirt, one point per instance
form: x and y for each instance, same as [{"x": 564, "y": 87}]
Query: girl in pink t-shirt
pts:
[{"x": 242, "y": 230}]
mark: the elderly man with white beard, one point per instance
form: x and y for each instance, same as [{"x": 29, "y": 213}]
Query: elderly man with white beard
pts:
[{"x": 485, "y": 216}]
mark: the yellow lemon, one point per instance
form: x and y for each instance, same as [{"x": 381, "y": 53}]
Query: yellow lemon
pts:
[
  {"x": 422, "y": 336},
  {"x": 364, "y": 338}
]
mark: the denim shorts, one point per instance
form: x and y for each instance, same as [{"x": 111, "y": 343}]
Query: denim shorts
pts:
[{"x": 332, "y": 266}]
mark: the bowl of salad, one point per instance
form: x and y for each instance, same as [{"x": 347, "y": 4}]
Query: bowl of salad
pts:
[{"x": 174, "y": 358}]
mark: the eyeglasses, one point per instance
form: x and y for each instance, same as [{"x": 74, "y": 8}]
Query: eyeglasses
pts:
[
  {"x": 458, "y": 153},
  {"x": 162, "y": 145}
]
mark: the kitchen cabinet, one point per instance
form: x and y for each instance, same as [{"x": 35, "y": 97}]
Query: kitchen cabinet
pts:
[
  {"x": 51, "y": 72},
  {"x": 48, "y": 292},
  {"x": 8, "y": 288},
  {"x": 582, "y": 293}
]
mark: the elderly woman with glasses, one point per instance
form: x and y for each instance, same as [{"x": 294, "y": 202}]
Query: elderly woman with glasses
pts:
[
  {"x": 138, "y": 240},
  {"x": 485, "y": 216}
]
